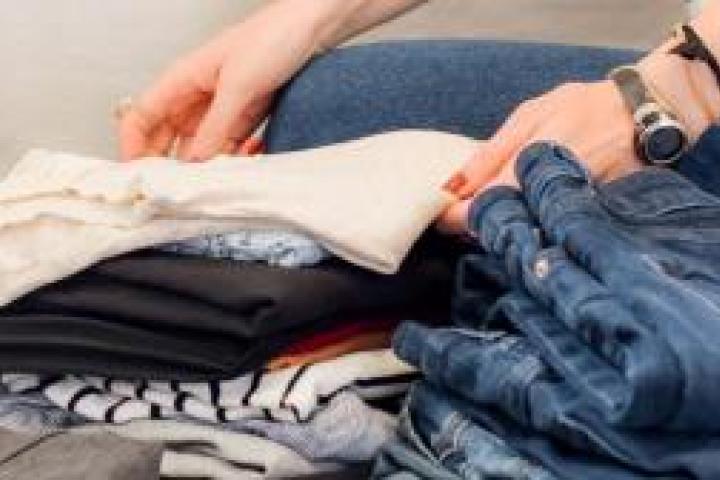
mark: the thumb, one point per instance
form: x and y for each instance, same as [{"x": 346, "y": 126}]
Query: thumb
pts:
[{"x": 494, "y": 155}]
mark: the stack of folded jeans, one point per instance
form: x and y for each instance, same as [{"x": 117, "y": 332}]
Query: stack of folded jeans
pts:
[{"x": 587, "y": 335}]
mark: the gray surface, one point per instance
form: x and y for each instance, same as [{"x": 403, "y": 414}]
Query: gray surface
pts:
[
  {"x": 67, "y": 63},
  {"x": 636, "y": 23}
]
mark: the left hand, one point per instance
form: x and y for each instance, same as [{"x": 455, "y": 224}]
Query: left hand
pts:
[{"x": 588, "y": 118}]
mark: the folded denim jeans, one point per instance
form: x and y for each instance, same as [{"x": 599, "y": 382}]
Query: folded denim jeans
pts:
[
  {"x": 629, "y": 277},
  {"x": 499, "y": 381},
  {"x": 461, "y": 445}
]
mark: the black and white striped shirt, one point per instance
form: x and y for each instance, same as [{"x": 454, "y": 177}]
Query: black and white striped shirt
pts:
[{"x": 291, "y": 394}]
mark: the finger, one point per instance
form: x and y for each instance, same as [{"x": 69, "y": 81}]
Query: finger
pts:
[
  {"x": 161, "y": 141},
  {"x": 481, "y": 167},
  {"x": 186, "y": 121},
  {"x": 502, "y": 148},
  {"x": 233, "y": 114},
  {"x": 134, "y": 134},
  {"x": 182, "y": 147},
  {"x": 229, "y": 148},
  {"x": 252, "y": 146},
  {"x": 176, "y": 90},
  {"x": 139, "y": 126},
  {"x": 506, "y": 178}
]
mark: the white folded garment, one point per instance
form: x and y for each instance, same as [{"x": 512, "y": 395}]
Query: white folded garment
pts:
[
  {"x": 366, "y": 201},
  {"x": 201, "y": 451}
]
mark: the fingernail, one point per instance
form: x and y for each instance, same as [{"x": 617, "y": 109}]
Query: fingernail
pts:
[
  {"x": 252, "y": 146},
  {"x": 456, "y": 184}
]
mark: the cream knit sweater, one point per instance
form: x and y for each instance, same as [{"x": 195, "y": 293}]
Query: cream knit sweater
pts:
[{"x": 366, "y": 201}]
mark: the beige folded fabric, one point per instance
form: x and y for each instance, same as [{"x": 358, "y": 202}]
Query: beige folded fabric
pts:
[{"x": 367, "y": 201}]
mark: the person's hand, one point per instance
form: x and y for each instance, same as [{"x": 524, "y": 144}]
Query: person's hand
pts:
[
  {"x": 212, "y": 100},
  {"x": 590, "y": 119}
]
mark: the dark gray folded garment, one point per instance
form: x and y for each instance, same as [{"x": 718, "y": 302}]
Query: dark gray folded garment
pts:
[
  {"x": 62, "y": 456},
  {"x": 155, "y": 315}
]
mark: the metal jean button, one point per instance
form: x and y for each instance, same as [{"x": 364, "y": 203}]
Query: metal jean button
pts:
[{"x": 541, "y": 268}]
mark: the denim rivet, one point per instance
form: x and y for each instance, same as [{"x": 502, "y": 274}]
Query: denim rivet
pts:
[{"x": 541, "y": 267}]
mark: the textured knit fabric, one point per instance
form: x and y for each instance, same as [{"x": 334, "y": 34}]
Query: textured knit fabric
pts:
[
  {"x": 160, "y": 316},
  {"x": 200, "y": 451},
  {"x": 101, "y": 209},
  {"x": 274, "y": 247},
  {"x": 346, "y": 430},
  {"x": 34, "y": 412},
  {"x": 63, "y": 456},
  {"x": 292, "y": 394}
]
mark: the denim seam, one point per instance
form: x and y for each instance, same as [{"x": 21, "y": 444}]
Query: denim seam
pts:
[
  {"x": 447, "y": 441},
  {"x": 409, "y": 431}
]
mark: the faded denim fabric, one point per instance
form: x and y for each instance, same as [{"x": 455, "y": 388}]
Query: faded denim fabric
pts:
[
  {"x": 467, "y": 87},
  {"x": 499, "y": 382},
  {"x": 628, "y": 279},
  {"x": 463, "y": 446},
  {"x": 346, "y": 430},
  {"x": 408, "y": 457},
  {"x": 33, "y": 412},
  {"x": 399, "y": 460},
  {"x": 614, "y": 292}
]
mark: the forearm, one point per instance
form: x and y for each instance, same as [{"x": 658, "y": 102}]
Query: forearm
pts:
[
  {"x": 688, "y": 87},
  {"x": 340, "y": 20}
]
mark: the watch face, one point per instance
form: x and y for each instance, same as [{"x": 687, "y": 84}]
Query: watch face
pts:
[{"x": 665, "y": 143}]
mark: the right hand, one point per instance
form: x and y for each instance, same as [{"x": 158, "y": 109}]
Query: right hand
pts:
[{"x": 211, "y": 100}]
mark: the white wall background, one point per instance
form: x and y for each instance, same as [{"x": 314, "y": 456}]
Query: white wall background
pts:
[{"x": 66, "y": 62}]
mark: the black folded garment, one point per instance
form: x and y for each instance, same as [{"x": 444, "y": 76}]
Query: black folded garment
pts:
[{"x": 159, "y": 316}]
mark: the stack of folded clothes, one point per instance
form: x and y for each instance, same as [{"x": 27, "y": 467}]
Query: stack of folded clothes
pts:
[
  {"x": 587, "y": 335},
  {"x": 236, "y": 315}
]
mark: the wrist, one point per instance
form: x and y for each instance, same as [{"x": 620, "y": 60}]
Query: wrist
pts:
[
  {"x": 340, "y": 20},
  {"x": 681, "y": 90},
  {"x": 330, "y": 21},
  {"x": 688, "y": 88}
]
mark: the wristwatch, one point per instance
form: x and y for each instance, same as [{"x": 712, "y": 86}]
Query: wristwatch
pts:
[{"x": 660, "y": 138}]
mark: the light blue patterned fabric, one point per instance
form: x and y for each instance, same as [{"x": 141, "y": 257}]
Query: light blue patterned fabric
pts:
[
  {"x": 33, "y": 412},
  {"x": 347, "y": 430},
  {"x": 276, "y": 248}
]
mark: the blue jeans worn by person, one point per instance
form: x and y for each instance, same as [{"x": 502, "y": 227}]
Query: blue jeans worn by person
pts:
[{"x": 467, "y": 87}]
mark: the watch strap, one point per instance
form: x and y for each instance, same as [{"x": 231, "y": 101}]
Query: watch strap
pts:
[
  {"x": 632, "y": 87},
  {"x": 694, "y": 49}
]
